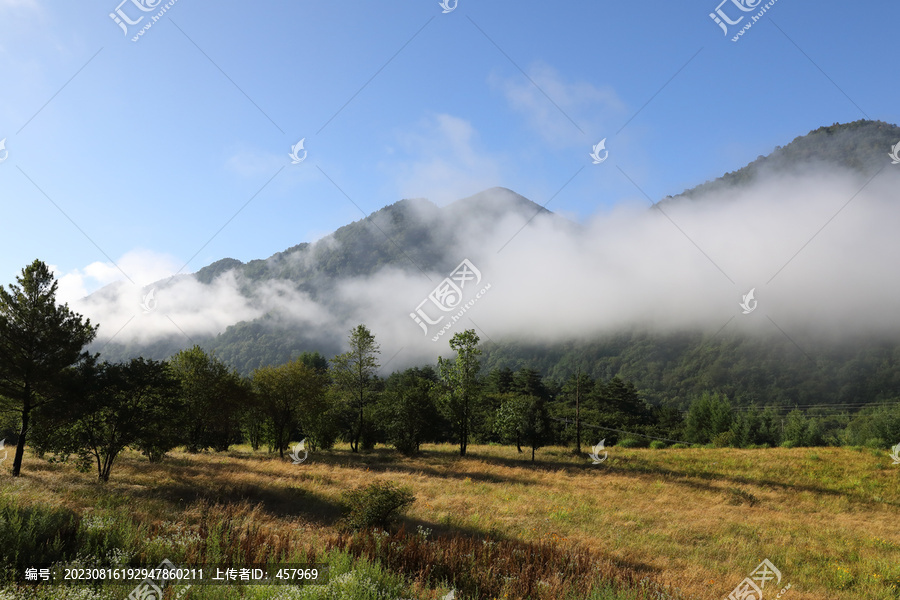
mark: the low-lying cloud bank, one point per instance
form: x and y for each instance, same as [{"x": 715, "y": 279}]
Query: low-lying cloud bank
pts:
[{"x": 819, "y": 250}]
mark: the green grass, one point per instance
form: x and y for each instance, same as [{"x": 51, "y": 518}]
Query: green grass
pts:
[{"x": 647, "y": 523}]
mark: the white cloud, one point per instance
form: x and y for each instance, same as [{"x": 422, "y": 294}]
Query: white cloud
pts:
[
  {"x": 594, "y": 110},
  {"x": 247, "y": 163},
  {"x": 631, "y": 268},
  {"x": 446, "y": 161},
  {"x": 16, "y": 4},
  {"x": 141, "y": 266}
]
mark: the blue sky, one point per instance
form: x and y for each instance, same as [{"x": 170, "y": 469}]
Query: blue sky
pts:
[{"x": 172, "y": 152}]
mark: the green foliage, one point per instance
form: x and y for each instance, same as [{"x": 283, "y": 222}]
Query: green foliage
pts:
[
  {"x": 632, "y": 442},
  {"x": 378, "y": 504},
  {"x": 113, "y": 406},
  {"x": 620, "y": 405},
  {"x": 879, "y": 422},
  {"x": 354, "y": 374},
  {"x": 723, "y": 439},
  {"x": 293, "y": 395},
  {"x": 657, "y": 445},
  {"x": 509, "y": 422},
  {"x": 858, "y": 146},
  {"x": 38, "y": 340},
  {"x": 408, "y": 412},
  {"x": 709, "y": 416},
  {"x": 31, "y": 536},
  {"x": 207, "y": 387},
  {"x": 524, "y": 418},
  {"x": 462, "y": 387}
]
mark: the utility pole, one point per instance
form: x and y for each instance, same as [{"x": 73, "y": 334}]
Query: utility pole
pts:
[{"x": 578, "y": 410}]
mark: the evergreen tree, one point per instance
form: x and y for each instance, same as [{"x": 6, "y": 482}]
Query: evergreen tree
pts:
[
  {"x": 354, "y": 374},
  {"x": 38, "y": 340}
]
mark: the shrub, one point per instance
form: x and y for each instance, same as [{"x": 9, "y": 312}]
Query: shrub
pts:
[
  {"x": 723, "y": 440},
  {"x": 35, "y": 535},
  {"x": 679, "y": 446},
  {"x": 631, "y": 443},
  {"x": 375, "y": 505},
  {"x": 657, "y": 444}
]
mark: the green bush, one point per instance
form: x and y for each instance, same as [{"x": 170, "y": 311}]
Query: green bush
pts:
[
  {"x": 679, "y": 446},
  {"x": 657, "y": 444},
  {"x": 631, "y": 443},
  {"x": 375, "y": 505},
  {"x": 35, "y": 535},
  {"x": 723, "y": 440}
]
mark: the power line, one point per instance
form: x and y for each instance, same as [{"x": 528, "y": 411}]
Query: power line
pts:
[
  {"x": 836, "y": 406},
  {"x": 568, "y": 422}
]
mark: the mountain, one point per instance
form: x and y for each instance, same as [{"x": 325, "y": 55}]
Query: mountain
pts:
[
  {"x": 399, "y": 235},
  {"x": 410, "y": 238},
  {"x": 860, "y": 146}
]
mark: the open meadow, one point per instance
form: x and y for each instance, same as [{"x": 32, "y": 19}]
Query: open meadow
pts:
[{"x": 646, "y": 523}]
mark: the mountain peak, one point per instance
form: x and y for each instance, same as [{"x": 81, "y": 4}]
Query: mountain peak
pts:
[
  {"x": 861, "y": 146},
  {"x": 495, "y": 202}
]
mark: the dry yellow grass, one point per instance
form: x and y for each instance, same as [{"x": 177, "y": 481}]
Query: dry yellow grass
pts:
[{"x": 698, "y": 519}]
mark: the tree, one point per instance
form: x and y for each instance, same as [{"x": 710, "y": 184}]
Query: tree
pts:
[
  {"x": 38, "y": 340},
  {"x": 408, "y": 411},
  {"x": 112, "y": 406},
  {"x": 578, "y": 387},
  {"x": 537, "y": 423},
  {"x": 354, "y": 373},
  {"x": 622, "y": 405},
  {"x": 509, "y": 423},
  {"x": 292, "y": 394},
  {"x": 155, "y": 395},
  {"x": 461, "y": 384},
  {"x": 708, "y": 416},
  {"x": 214, "y": 399},
  {"x": 524, "y": 419}
]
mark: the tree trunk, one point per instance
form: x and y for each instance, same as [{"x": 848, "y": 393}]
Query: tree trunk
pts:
[
  {"x": 20, "y": 445},
  {"x": 532, "y": 454}
]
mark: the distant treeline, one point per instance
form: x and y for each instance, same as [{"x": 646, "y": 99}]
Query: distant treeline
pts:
[{"x": 69, "y": 403}]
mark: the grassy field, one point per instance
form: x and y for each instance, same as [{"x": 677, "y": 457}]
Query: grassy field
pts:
[{"x": 670, "y": 523}]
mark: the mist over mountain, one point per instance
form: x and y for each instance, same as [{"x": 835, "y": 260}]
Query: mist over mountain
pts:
[{"x": 653, "y": 294}]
